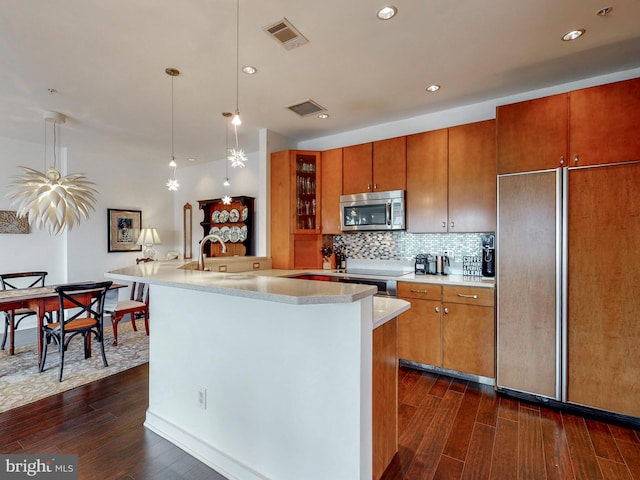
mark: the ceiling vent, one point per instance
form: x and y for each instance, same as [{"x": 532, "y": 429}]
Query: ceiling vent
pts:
[
  {"x": 306, "y": 108},
  {"x": 285, "y": 34}
]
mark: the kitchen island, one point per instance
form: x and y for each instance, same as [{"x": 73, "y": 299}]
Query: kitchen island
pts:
[{"x": 263, "y": 377}]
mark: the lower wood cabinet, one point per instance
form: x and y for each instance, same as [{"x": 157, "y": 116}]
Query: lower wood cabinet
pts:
[
  {"x": 468, "y": 330},
  {"x": 385, "y": 396},
  {"x": 420, "y": 327},
  {"x": 448, "y": 326}
]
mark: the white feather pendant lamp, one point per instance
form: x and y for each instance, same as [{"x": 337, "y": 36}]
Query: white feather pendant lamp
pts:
[{"x": 50, "y": 201}]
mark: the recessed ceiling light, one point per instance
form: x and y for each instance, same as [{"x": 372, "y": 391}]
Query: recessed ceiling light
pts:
[
  {"x": 573, "y": 34},
  {"x": 385, "y": 13},
  {"x": 191, "y": 159},
  {"x": 249, "y": 70},
  {"x": 604, "y": 11},
  {"x": 433, "y": 88},
  {"x": 323, "y": 115}
]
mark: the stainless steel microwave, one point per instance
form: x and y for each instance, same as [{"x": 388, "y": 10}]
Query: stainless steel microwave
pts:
[{"x": 372, "y": 211}]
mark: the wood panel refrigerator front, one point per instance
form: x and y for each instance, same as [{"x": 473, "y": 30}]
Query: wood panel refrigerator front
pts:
[{"x": 604, "y": 278}]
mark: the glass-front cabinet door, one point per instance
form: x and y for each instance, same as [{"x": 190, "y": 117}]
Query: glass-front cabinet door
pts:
[{"x": 307, "y": 192}]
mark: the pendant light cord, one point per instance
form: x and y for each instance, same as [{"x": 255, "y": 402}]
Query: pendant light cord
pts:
[
  {"x": 55, "y": 159},
  {"x": 237, "y": 53},
  {"x": 172, "y": 154}
]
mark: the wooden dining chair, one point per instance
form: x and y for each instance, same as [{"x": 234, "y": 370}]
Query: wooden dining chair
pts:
[
  {"x": 81, "y": 312},
  {"x": 137, "y": 306},
  {"x": 12, "y": 318}
]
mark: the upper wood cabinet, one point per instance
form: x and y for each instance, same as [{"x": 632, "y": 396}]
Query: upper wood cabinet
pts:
[
  {"x": 427, "y": 178},
  {"x": 603, "y": 123},
  {"x": 532, "y": 135},
  {"x": 451, "y": 179},
  {"x": 472, "y": 177},
  {"x": 378, "y": 166},
  {"x": 331, "y": 191},
  {"x": 357, "y": 168},
  {"x": 590, "y": 126},
  {"x": 390, "y": 164},
  {"x": 296, "y": 186}
]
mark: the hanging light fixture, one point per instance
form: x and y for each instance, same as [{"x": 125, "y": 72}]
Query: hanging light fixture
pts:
[
  {"x": 236, "y": 155},
  {"x": 236, "y": 118},
  {"x": 49, "y": 200},
  {"x": 226, "y": 115},
  {"x": 172, "y": 184}
]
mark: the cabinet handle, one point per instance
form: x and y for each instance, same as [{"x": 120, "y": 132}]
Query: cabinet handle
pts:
[
  {"x": 467, "y": 296},
  {"x": 368, "y": 186},
  {"x": 444, "y": 224},
  {"x": 561, "y": 159},
  {"x": 413, "y": 290},
  {"x": 375, "y": 186},
  {"x": 452, "y": 225},
  {"x": 437, "y": 309},
  {"x": 575, "y": 159},
  {"x": 446, "y": 310}
]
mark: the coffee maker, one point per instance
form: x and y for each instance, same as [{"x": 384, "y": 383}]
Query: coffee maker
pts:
[{"x": 488, "y": 255}]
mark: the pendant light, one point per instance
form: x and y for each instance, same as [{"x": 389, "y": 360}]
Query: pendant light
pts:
[
  {"x": 236, "y": 155},
  {"x": 236, "y": 118},
  {"x": 50, "y": 201},
  {"x": 172, "y": 184},
  {"x": 226, "y": 115}
]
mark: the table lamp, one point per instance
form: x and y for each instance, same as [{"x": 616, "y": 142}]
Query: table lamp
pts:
[{"x": 148, "y": 237}]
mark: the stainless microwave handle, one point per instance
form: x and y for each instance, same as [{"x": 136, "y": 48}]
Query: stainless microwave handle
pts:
[{"x": 388, "y": 213}]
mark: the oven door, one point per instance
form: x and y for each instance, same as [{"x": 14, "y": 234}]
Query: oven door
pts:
[{"x": 386, "y": 288}]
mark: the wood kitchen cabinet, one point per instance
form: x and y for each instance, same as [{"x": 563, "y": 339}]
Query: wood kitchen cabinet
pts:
[
  {"x": 448, "y": 326},
  {"x": 296, "y": 186},
  {"x": 451, "y": 179},
  {"x": 603, "y": 123},
  {"x": 331, "y": 190},
  {"x": 420, "y": 327},
  {"x": 589, "y": 126},
  {"x": 390, "y": 164},
  {"x": 468, "y": 330},
  {"x": 532, "y": 135},
  {"x": 427, "y": 177},
  {"x": 472, "y": 177},
  {"x": 357, "y": 168},
  {"x": 375, "y": 167}
]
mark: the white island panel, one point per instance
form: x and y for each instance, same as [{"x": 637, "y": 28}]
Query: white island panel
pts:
[{"x": 288, "y": 385}]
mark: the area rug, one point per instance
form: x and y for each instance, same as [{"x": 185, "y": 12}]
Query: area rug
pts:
[{"x": 21, "y": 383}]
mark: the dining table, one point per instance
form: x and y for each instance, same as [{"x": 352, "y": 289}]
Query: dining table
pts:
[{"x": 41, "y": 300}]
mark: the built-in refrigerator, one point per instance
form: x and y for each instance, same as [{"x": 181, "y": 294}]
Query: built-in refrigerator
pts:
[{"x": 568, "y": 283}]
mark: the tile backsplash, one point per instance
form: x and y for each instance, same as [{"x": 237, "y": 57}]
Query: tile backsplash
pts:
[{"x": 405, "y": 246}]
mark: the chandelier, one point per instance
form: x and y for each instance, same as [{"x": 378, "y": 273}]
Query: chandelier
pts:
[{"x": 50, "y": 201}]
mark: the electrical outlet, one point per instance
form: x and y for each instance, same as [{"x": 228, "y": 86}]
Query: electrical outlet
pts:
[
  {"x": 222, "y": 268},
  {"x": 202, "y": 397},
  {"x": 449, "y": 253}
]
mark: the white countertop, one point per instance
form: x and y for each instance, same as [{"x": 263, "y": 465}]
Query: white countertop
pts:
[{"x": 270, "y": 285}]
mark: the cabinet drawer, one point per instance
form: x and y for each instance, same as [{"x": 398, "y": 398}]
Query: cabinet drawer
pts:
[
  {"x": 467, "y": 295},
  {"x": 425, "y": 291}
]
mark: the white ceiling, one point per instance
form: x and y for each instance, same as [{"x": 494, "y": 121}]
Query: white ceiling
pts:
[{"x": 107, "y": 58}]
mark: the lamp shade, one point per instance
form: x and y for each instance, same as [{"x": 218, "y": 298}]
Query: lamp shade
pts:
[{"x": 148, "y": 236}]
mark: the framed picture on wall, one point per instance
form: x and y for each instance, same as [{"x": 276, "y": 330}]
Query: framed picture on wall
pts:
[{"x": 124, "y": 229}]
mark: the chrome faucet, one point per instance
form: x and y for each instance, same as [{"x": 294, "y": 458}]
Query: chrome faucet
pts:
[{"x": 211, "y": 236}]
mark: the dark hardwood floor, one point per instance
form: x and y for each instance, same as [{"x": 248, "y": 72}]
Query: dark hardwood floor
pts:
[
  {"x": 102, "y": 423},
  {"x": 453, "y": 429},
  {"x": 449, "y": 429}
]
